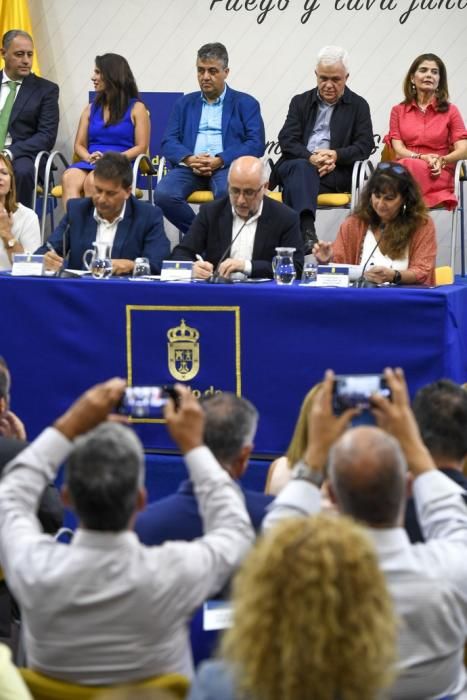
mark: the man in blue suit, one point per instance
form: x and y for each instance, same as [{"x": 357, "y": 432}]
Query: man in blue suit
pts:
[
  {"x": 206, "y": 132},
  {"x": 33, "y": 121},
  {"x": 114, "y": 216}
]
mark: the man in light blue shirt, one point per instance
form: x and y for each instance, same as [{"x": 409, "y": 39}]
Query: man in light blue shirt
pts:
[{"x": 206, "y": 132}]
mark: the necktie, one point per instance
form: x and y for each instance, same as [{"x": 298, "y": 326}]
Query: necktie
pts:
[{"x": 6, "y": 111}]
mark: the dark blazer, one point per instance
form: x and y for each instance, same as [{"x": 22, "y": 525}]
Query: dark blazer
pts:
[
  {"x": 34, "y": 118},
  {"x": 211, "y": 232},
  {"x": 242, "y": 127},
  {"x": 351, "y": 131},
  {"x": 177, "y": 517},
  {"x": 140, "y": 233}
]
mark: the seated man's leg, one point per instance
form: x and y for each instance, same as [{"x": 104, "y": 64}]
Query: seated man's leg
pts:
[
  {"x": 301, "y": 183},
  {"x": 172, "y": 192},
  {"x": 23, "y": 167},
  {"x": 218, "y": 183}
]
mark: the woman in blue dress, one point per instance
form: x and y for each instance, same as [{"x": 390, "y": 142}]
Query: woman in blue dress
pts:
[{"x": 116, "y": 120}]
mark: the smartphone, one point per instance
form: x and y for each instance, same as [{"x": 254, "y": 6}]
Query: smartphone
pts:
[
  {"x": 355, "y": 390},
  {"x": 146, "y": 401}
]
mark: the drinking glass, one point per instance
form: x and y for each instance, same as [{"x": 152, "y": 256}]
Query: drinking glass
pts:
[
  {"x": 310, "y": 272},
  {"x": 142, "y": 268}
]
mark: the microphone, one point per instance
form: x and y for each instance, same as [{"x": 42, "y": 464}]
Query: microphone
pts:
[
  {"x": 216, "y": 278},
  {"x": 362, "y": 282}
]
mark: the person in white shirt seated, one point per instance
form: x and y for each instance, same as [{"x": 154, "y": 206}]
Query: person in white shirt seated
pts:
[{"x": 19, "y": 225}]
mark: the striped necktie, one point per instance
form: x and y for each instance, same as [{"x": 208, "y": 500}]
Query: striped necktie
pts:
[{"x": 6, "y": 111}]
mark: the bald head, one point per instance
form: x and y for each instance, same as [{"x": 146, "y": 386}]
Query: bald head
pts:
[
  {"x": 367, "y": 470},
  {"x": 247, "y": 180}
]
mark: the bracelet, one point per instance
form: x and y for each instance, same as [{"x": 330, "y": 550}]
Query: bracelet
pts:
[{"x": 416, "y": 155}]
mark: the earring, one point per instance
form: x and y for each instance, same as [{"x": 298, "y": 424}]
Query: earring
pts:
[
  {"x": 414, "y": 89},
  {"x": 404, "y": 209}
]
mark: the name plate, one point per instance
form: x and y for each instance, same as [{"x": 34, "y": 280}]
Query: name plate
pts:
[
  {"x": 331, "y": 276},
  {"x": 176, "y": 271},
  {"x": 217, "y": 615},
  {"x": 27, "y": 265}
]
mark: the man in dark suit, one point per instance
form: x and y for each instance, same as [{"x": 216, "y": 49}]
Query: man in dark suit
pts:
[
  {"x": 326, "y": 130},
  {"x": 114, "y": 216},
  {"x": 33, "y": 121},
  {"x": 440, "y": 409},
  {"x": 206, "y": 132},
  {"x": 229, "y": 431},
  {"x": 253, "y": 225}
]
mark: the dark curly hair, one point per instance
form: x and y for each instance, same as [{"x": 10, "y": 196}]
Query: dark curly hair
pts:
[
  {"x": 442, "y": 92},
  {"x": 394, "y": 179},
  {"x": 119, "y": 86}
]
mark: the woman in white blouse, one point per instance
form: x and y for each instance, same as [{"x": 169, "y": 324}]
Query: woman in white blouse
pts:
[{"x": 19, "y": 226}]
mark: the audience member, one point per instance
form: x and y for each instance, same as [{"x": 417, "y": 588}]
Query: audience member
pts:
[
  {"x": 389, "y": 231},
  {"x": 441, "y": 413},
  {"x": 279, "y": 472},
  {"x": 112, "y": 215},
  {"x": 326, "y": 130},
  {"x": 29, "y": 116},
  {"x": 367, "y": 475},
  {"x": 265, "y": 225},
  {"x": 312, "y": 619},
  {"x": 206, "y": 132},
  {"x": 427, "y": 132},
  {"x": 105, "y": 609},
  {"x": 19, "y": 226},
  {"x": 116, "y": 120},
  {"x": 229, "y": 431}
]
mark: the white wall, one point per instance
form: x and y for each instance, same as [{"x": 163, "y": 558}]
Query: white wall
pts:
[{"x": 272, "y": 59}]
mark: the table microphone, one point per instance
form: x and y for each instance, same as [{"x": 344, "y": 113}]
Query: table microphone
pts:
[
  {"x": 216, "y": 278},
  {"x": 362, "y": 282}
]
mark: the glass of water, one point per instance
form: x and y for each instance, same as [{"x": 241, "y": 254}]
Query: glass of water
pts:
[
  {"x": 310, "y": 272},
  {"x": 142, "y": 268}
]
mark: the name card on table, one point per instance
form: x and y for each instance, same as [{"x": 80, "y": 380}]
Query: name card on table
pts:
[
  {"x": 332, "y": 276},
  {"x": 217, "y": 615},
  {"x": 27, "y": 265},
  {"x": 176, "y": 270}
]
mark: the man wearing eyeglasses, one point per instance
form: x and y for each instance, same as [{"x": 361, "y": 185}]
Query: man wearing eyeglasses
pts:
[
  {"x": 238, "y": 234},
  {"x": 326, "y": 130}
]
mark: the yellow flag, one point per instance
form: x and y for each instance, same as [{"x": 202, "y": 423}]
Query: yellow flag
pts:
[{"x": 14, "y": 14}]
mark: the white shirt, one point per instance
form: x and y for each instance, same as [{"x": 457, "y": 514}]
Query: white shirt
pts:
[
  {"x": 106, "y": 609},
  {"x": 427, "y": 582},
  {"x": 26, "y": 230},
  {"x": 378, "y": 258},
  {"x": 107, "y": 230},
  {"x": 242, "y": 248},
  {"x": 4, "y": 92}
]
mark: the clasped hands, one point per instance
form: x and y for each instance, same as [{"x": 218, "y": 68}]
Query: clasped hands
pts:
[
  {"x": 202, "y": 269},
  {"x": 94, "y": 157},
  {"x": 324, "y": 160},
  {"x": 204, "y": 164},
  {"x": 435, "y": 163}
]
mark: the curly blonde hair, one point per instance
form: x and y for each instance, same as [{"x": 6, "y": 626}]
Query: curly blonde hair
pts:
[{"x": 312, "y": 615}]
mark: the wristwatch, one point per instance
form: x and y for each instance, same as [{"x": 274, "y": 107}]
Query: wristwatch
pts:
[
  {"x": 11, "y": 243},
  {"x": 397, "y": 279},
  {"x": 301, "y": 470}
]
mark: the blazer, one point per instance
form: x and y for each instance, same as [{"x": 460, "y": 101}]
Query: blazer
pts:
[
  {"x": 242, "y": 127},
  {"x": 351, "y": 131},
  {"x": 34, "y": 118},
  {"x": 211, "y": 232},
  {"x": 140, "y": 233}
]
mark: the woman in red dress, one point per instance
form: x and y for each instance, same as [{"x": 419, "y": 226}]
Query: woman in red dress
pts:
[{"x": 427, "y": 132}]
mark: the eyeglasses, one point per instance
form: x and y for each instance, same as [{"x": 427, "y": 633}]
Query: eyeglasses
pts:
[
  {"x": 392, "y": 167},
  {"x": 248, "y": 193}
]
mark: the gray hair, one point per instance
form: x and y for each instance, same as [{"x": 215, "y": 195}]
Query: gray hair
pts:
[
  {"x": 12, "y": 34},
  {"x": 104, "y": 473},
  {"x": 231, "y": 423},
  {"x": 214, "y": 52},
  {"x": 329, "y": 55},
  {"x": 367, "y": 471}
]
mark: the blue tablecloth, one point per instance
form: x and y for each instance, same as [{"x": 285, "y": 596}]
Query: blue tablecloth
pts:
[{"x": 266, "y": 342}]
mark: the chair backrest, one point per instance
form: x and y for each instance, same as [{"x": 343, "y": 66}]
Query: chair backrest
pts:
[{"x": 45, "y": 688}]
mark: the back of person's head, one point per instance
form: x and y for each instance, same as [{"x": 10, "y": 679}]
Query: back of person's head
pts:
[
  {"x": 115, "y": 167},
  {"x": 119, "y": 85},
  {"x": 440, "y": 410},
  {"x": 312, "y": 614},
  {"x": 230, "y": 426},
  {"x": 442, "y": 91},
  {"x": 214, "y": 52},
  {"x": 299, "y": 441},
  {"x": 367, "y": 474},
  {"x": 104, "y": 475},
  {"x": 330, "y": 55},
  {"x": 5, "y": 385},
  {"x": 12, "y": 34}
]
